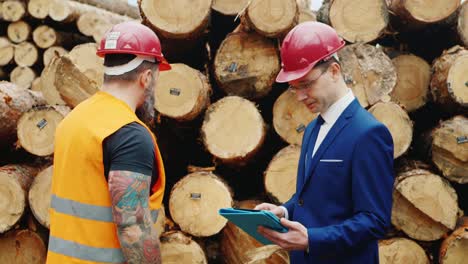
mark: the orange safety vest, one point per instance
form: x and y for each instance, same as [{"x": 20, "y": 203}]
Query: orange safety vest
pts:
[{"x": 82, "y": 229}]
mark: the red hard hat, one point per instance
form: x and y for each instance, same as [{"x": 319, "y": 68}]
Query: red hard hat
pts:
[
  {"x": 304, "y": 46},
  {"x": 133, "y": 38}
]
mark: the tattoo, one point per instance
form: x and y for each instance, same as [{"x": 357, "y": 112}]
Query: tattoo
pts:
[{"x": 130, "y": 194}]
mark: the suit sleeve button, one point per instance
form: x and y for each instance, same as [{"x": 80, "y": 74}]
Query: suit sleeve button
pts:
[{"x": 301, "y": 202}]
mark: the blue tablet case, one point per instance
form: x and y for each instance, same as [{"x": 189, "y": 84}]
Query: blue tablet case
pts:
[{"x": 249, "y": 220}]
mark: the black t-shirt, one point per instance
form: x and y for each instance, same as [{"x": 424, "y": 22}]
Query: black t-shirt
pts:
[{"x": 130, "y": 148}]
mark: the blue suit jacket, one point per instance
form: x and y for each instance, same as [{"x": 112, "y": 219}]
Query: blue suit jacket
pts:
[{"x": 345, "y": 198}]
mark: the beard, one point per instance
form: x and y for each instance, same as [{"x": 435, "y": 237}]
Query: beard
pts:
[{"x": 145, "y": 112}]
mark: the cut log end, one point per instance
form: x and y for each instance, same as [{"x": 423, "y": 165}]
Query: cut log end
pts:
[
  {"x": 416, "y": 12},
  {"x": 457, "y": 81},
  {"x": 26, "y": 54},
  {"x": 174, "y": 19},
  {"x": 369, "y": 72},
  {"x": 182, "y": 93},
  {"x": 18, "y": 31},
  {"x": 306, "y": 15},
  {"x": 449, "y": 150},
  {"x": 22, "y": 76},
  {"x": 358, "y": 20},
  {"x": 401, "y": 251},
  {"x": 425, "y": 206},
  {"x": 228, "y": 7},
  {"x": 55, "y": 51},
  {"x": 462, "y": 24},
  {"x": 246, "y": 65},
  {"x": 40, "y": 196},
  {"x": 7, "y": 51},
  {"x": 177, "y": 248},
  {"x": 36, "y": 130},
  {"x": 39, "y": 8},
  {"x": 290, "y": 118},
  {"x": 412, "y": 87},
  {"x": 44, "y": 36},
  {"x": 272, "y": 18},
  {"x": 454, "y": 249},
  {"x": 280, "y": 176},
  {"x": 195, "y": 201},
  {"x": 22, "y": 246},
  {"x": 13, "y": 10},
  {"x": 398, "y": 123},
  {"x": 217, "y": 130}
]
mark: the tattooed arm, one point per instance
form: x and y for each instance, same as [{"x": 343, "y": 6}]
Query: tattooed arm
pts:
[{"x": 130, "y": 193}]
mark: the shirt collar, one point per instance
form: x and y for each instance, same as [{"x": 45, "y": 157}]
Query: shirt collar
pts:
[{"x": 336, "y": 109}]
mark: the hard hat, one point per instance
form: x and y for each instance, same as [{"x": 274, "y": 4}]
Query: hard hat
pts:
[
  {"x": 132, "y": 38},
  {"x": 304, "y": 46}
]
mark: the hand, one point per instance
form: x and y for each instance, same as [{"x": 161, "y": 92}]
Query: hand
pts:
[
  {"x": 272, "y": 208},
  {"x": 296, "y": 238}
]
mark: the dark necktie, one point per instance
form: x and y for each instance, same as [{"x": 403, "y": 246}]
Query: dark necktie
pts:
[{"x": 312, "y": 141}]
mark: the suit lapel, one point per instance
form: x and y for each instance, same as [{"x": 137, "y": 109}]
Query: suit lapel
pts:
[
  {"x": 305, "y": 142},
  {"x": 342, "y": 121}
]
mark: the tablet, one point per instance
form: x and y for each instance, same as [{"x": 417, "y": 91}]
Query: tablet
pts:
[{"x": 250, "y": 220}]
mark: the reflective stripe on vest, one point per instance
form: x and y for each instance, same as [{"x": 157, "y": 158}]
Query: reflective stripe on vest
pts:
[
  {"x": 75, "y": 250},
  {"x": 86, "y": 211}
]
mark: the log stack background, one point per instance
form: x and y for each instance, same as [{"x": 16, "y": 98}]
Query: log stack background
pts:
[{"x": 230, "y": 135}]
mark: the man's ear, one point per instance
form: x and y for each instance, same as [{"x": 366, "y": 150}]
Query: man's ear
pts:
[
  {"x": 144, "y": 78},
  {"x": 335, "y": 69}
]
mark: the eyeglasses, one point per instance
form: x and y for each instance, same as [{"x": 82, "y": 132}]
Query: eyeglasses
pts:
[{"x": 307, "y": 85}]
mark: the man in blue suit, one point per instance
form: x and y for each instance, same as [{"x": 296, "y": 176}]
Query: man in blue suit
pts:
[{"x": 343, "y": 198}]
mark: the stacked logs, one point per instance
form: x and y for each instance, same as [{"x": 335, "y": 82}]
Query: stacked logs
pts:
[{"x": 220, "y": 109}]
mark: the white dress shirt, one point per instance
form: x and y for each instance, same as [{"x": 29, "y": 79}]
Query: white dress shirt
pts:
[{"x": 330, "y": 116}]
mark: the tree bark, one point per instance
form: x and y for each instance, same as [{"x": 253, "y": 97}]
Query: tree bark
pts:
[
  {"x": 454, "y": 249},
  {"x": 15, "y": 181},
  {"x": 449, "y": 149},
  {"x": 233, "y": 148},
  {"x": 246, "y": 65},
  {"x": 195, "y": 201},
  {"x": 415, "y": 13},
  {"x": 120, "y": 7},
  {"x": 183, "y": 93}
]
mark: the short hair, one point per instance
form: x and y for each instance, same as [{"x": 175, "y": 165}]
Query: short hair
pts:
[
  {"x": 111, "y": 60},
  {"x": 324, "y": 64}
]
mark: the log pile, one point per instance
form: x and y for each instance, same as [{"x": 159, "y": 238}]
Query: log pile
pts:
[{"x": 226, "y": 130}]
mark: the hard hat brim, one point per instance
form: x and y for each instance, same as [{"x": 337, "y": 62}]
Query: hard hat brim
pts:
[{"x": 287, "y": 76}]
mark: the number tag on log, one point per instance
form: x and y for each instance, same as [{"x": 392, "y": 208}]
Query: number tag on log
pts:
[
  {"x": 195, "y": 196},
  {"x": 233, "y": 67},
  {"x": 300, "y": 128},
  {"x": 42, "y": 124},
  {"x": 462, "y": 139},
  {"x": 174, "y": 91}
]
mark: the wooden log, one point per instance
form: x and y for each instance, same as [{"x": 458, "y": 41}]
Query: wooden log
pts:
[
  {"x": 218, "y": 130},
  {"x": 235, "y": 243},
  {"x": 416, "y": 13},
  {"x": 36, "y": 129},
  {"x": 290, "y": 118},
  {"x": 448, "y": 83},
  {"x": 462, "y": 24},
  {"x": 14, "y": 101},
  {"x": 72, "y": 78},
  {"x": 19, "y": 31},
  {"x": 412, "y": 87},
  {"x": 281, "y": 174},
  {"x": 306, "y": 15},
  {"x": 246, "y": 65},
  {"x": 229, "y": 8},
  {"x": 15, "y": 181},
  {"x": 40, "y": 195},
  {"x": 177, "y": 248},
  {"x": 45, "y": 37},
  {"x": 398, "y": 122},
  {"x": 160, "y": 223},
  {"x": 121, "y": 7},
  {"x": 22, "y": 246},
  {"x": 182, "y": 93},
  {"x": 177, "y": 19},
  {"x": 358, "y": 20},
  {"x": 36, "y": 85},
  {"x": 449, "y": 149},
  {"x": 401, "y": 251},
  {"x": 26, "y": 54},
  {"x": 369, "y": 72},
  {"x": 22, "y": 76},
  {"x": 454, "y": 248},
  {"x": 7, "y": 51},
  {"x": 272, "y": 18},
  {"x": 39, "y": 8},
  {"x": 194, "y": 203},
  {"x": 425, "y": 205},
  {"x": 51, "y": 52},
  {"x": 13, "y": 10}
]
